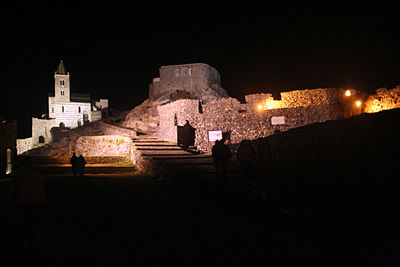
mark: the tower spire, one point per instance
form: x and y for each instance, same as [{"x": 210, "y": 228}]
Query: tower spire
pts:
[{"x": 61, "y": 68}]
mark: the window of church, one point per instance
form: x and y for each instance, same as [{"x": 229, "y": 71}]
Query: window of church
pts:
[
  {"x": 52, "y": 110},
  {"x": 62, "y": 108},
  {"x": 190, "y": 71},
  {"x": 79, "y": 109}
]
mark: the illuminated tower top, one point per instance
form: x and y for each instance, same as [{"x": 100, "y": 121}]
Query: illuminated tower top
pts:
[{"x": 61, "y": 84}]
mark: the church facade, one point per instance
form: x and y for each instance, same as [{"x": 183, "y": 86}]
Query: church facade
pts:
[
  {"x": 69, "y": 109},
  {"x": 65, "y": 109}
]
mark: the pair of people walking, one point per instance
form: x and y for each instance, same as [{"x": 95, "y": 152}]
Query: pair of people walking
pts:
[{"x": 77, "y": 164}]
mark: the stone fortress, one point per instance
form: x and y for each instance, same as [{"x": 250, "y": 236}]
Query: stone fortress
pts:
[
  {"x": 190, "y": 96},
  {"x": 207, "y": 108},
  {"x": 199, "y": 80}
]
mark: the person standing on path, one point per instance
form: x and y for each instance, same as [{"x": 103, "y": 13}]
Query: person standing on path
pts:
[
  {"x": 81, "y": 165},
  {"x": 74, "y": 164},
  {"x": 221, "y": 154}
]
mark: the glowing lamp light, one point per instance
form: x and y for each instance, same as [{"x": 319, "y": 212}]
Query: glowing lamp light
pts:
[
  {"x": 358, "y": 103},
  {"x": 347, "y": 93},
  {"x": 270, "y": 105},
  {"x": 260, "y": 107}
]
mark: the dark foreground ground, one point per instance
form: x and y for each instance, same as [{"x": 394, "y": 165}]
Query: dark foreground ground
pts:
[{"x": 120, "y": 220}]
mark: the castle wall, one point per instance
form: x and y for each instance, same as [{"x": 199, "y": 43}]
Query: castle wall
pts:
[
  {"x": 42, "y": 127},
  {"x": 154, "y": 88},
  {"x": 194, "y": 78},
  {"x": 246, "y": 121},
  {"x": 383, "y": 99},
  {"x": 24, "y": 145}
]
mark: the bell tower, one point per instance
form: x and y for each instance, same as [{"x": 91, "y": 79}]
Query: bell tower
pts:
[{"x": 61, "y": 84}]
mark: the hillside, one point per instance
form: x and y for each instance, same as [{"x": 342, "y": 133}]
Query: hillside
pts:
[{"x": 344, "y": 170}]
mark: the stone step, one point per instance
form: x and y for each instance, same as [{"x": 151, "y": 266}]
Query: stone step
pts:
[
  {"x": 159, "y": 149},
  {"x": 155, "y": 145},
  {"x": 147, "y": 139},
  {"x": 183, "y": 157}
]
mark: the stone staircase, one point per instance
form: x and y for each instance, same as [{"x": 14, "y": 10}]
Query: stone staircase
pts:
[{"x": 163, "y": 158}]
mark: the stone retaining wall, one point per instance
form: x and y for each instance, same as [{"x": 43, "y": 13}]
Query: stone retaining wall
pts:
[
  {"x": 106, "y": 145},
  {"x": 243, "y": 121}
]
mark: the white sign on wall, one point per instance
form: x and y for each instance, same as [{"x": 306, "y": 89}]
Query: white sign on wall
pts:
[
  {"x": 214, "y": 136},
  {"x": 277, "y": 120}
]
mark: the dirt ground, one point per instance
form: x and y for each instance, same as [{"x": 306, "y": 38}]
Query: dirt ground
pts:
[{"x": 135, "y": 220}]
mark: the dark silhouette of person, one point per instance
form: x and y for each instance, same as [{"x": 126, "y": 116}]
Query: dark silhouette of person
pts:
[
  {"x": 74, "y": 164},
  {"x": 246, "y": 157},
  {"x": 81, "y": 165},
  {"x": 27, "y": 189},
  {"x": 221, "y": 154}
]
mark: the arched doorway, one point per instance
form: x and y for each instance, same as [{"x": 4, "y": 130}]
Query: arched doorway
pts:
[
  {"x": 41, "y": 139},
  {"x": 62, "y": 125},
  {"x": 186, "y": 135}
]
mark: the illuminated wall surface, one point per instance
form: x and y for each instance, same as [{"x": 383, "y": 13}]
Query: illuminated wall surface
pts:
[
  {"x": 196, "y": 78},
  {"x": 255, "y": 118},
  {"x": 383, "y": 100}
]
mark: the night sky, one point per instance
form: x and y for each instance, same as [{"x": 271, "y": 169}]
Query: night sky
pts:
[{"x": 114, "y": 51}]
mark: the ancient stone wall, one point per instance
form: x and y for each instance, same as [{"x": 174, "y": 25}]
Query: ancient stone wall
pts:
[
  {"x": 383, "y": 99},
  {"x": 24, "y": 145},
  {"x": 41, "y": 131},
  {"x": 238, "y": 121},
  {"x": 298, "y": 98},
  {"x": 104, "y": 146},
  {"x": 199, "y": 79}
]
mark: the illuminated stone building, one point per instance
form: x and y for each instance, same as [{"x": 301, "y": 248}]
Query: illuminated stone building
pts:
[
  {"x": 200, "y": 80},
  {"x": 69, "y": 109},
  {"x": 66, "y": 109}
]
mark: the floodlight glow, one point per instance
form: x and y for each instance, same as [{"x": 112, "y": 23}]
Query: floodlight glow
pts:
[
  {"x": 347, "y": 93},
  {"x": 358, "y": 103}
]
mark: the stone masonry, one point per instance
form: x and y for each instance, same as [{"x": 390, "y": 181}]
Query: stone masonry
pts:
[
  {"x": 195, "y": 78},
  {"x": 248, "y": 121}
]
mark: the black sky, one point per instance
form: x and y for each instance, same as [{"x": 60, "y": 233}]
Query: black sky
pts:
[{"x": 114, "y": 51}]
